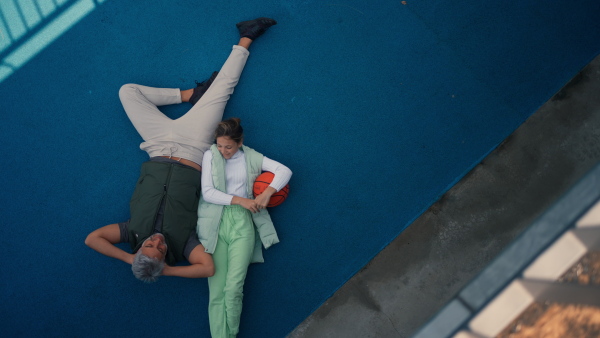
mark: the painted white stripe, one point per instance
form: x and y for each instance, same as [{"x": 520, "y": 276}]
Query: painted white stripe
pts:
[
  {"x": 30, "y": 13},
  {"x": 52, "y": 31},
  {"x": 13, "y": 19}
]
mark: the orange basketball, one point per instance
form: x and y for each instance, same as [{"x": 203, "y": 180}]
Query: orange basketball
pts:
[{"x": 262, "y": 182}]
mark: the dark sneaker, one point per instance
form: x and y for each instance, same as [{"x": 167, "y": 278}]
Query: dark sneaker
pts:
[
  {"x": 202, "y": 87},
  {"x": 254, "y": 28}
]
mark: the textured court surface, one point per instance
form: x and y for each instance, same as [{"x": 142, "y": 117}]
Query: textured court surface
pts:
[{"x": 377, "y": 108}]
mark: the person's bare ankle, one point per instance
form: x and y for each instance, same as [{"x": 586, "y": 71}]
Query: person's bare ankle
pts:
[
  {"x": 186, "y": 94},
  {"x": 245, "y": 42}
]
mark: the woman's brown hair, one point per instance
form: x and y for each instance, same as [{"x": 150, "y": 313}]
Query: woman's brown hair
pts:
[{"x": 231, "y": 128}]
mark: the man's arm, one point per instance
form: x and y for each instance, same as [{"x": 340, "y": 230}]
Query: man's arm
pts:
[
  {"x": 201, "y": 265},
  {"x": 104, "y": 239}
]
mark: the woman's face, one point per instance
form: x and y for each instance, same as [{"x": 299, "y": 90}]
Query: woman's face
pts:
[{"x": 227, "y": 147}]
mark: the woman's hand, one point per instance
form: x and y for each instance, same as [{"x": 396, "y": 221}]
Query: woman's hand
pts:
[
  {"x": 263, "y": 199},
  {"x": 246, "y": 203}
]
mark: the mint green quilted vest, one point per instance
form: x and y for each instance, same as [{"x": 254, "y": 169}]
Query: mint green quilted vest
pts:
[{"x": 209, "y": 215}]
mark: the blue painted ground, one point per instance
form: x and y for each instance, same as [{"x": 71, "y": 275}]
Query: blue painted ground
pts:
[{"x": 377, "y": 108}]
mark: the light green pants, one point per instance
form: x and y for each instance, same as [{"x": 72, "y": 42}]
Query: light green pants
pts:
[{"x": 232, "y": 256}]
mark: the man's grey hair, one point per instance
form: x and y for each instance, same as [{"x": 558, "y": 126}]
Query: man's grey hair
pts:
[{"x": 147, "y": 269}]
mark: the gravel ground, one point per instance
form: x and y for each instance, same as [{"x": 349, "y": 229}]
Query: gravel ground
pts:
[{"x": 551, "y": 320}]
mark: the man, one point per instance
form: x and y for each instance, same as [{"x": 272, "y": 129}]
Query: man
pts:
[{"x": 164, "y": 204}]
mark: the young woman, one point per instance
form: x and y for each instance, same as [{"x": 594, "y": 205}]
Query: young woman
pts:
[
  {"x": 232, "y": 224},
  {"x": 165, "y": 202}
]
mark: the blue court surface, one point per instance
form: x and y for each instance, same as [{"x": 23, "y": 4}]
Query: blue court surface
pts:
[{"x": 378, "y": 108}]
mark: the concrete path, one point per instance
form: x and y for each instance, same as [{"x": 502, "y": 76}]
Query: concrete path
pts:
[{"x": 431, "y": 261}]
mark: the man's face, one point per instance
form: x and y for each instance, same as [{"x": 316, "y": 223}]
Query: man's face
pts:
[{"x": 155, "y": 247}]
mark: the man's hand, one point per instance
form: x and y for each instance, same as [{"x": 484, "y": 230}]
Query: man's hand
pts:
[
  {"x": 167, "y": 270},
  {"x": 201, "y": 265},
  {"x": 129, "y": 258}
]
